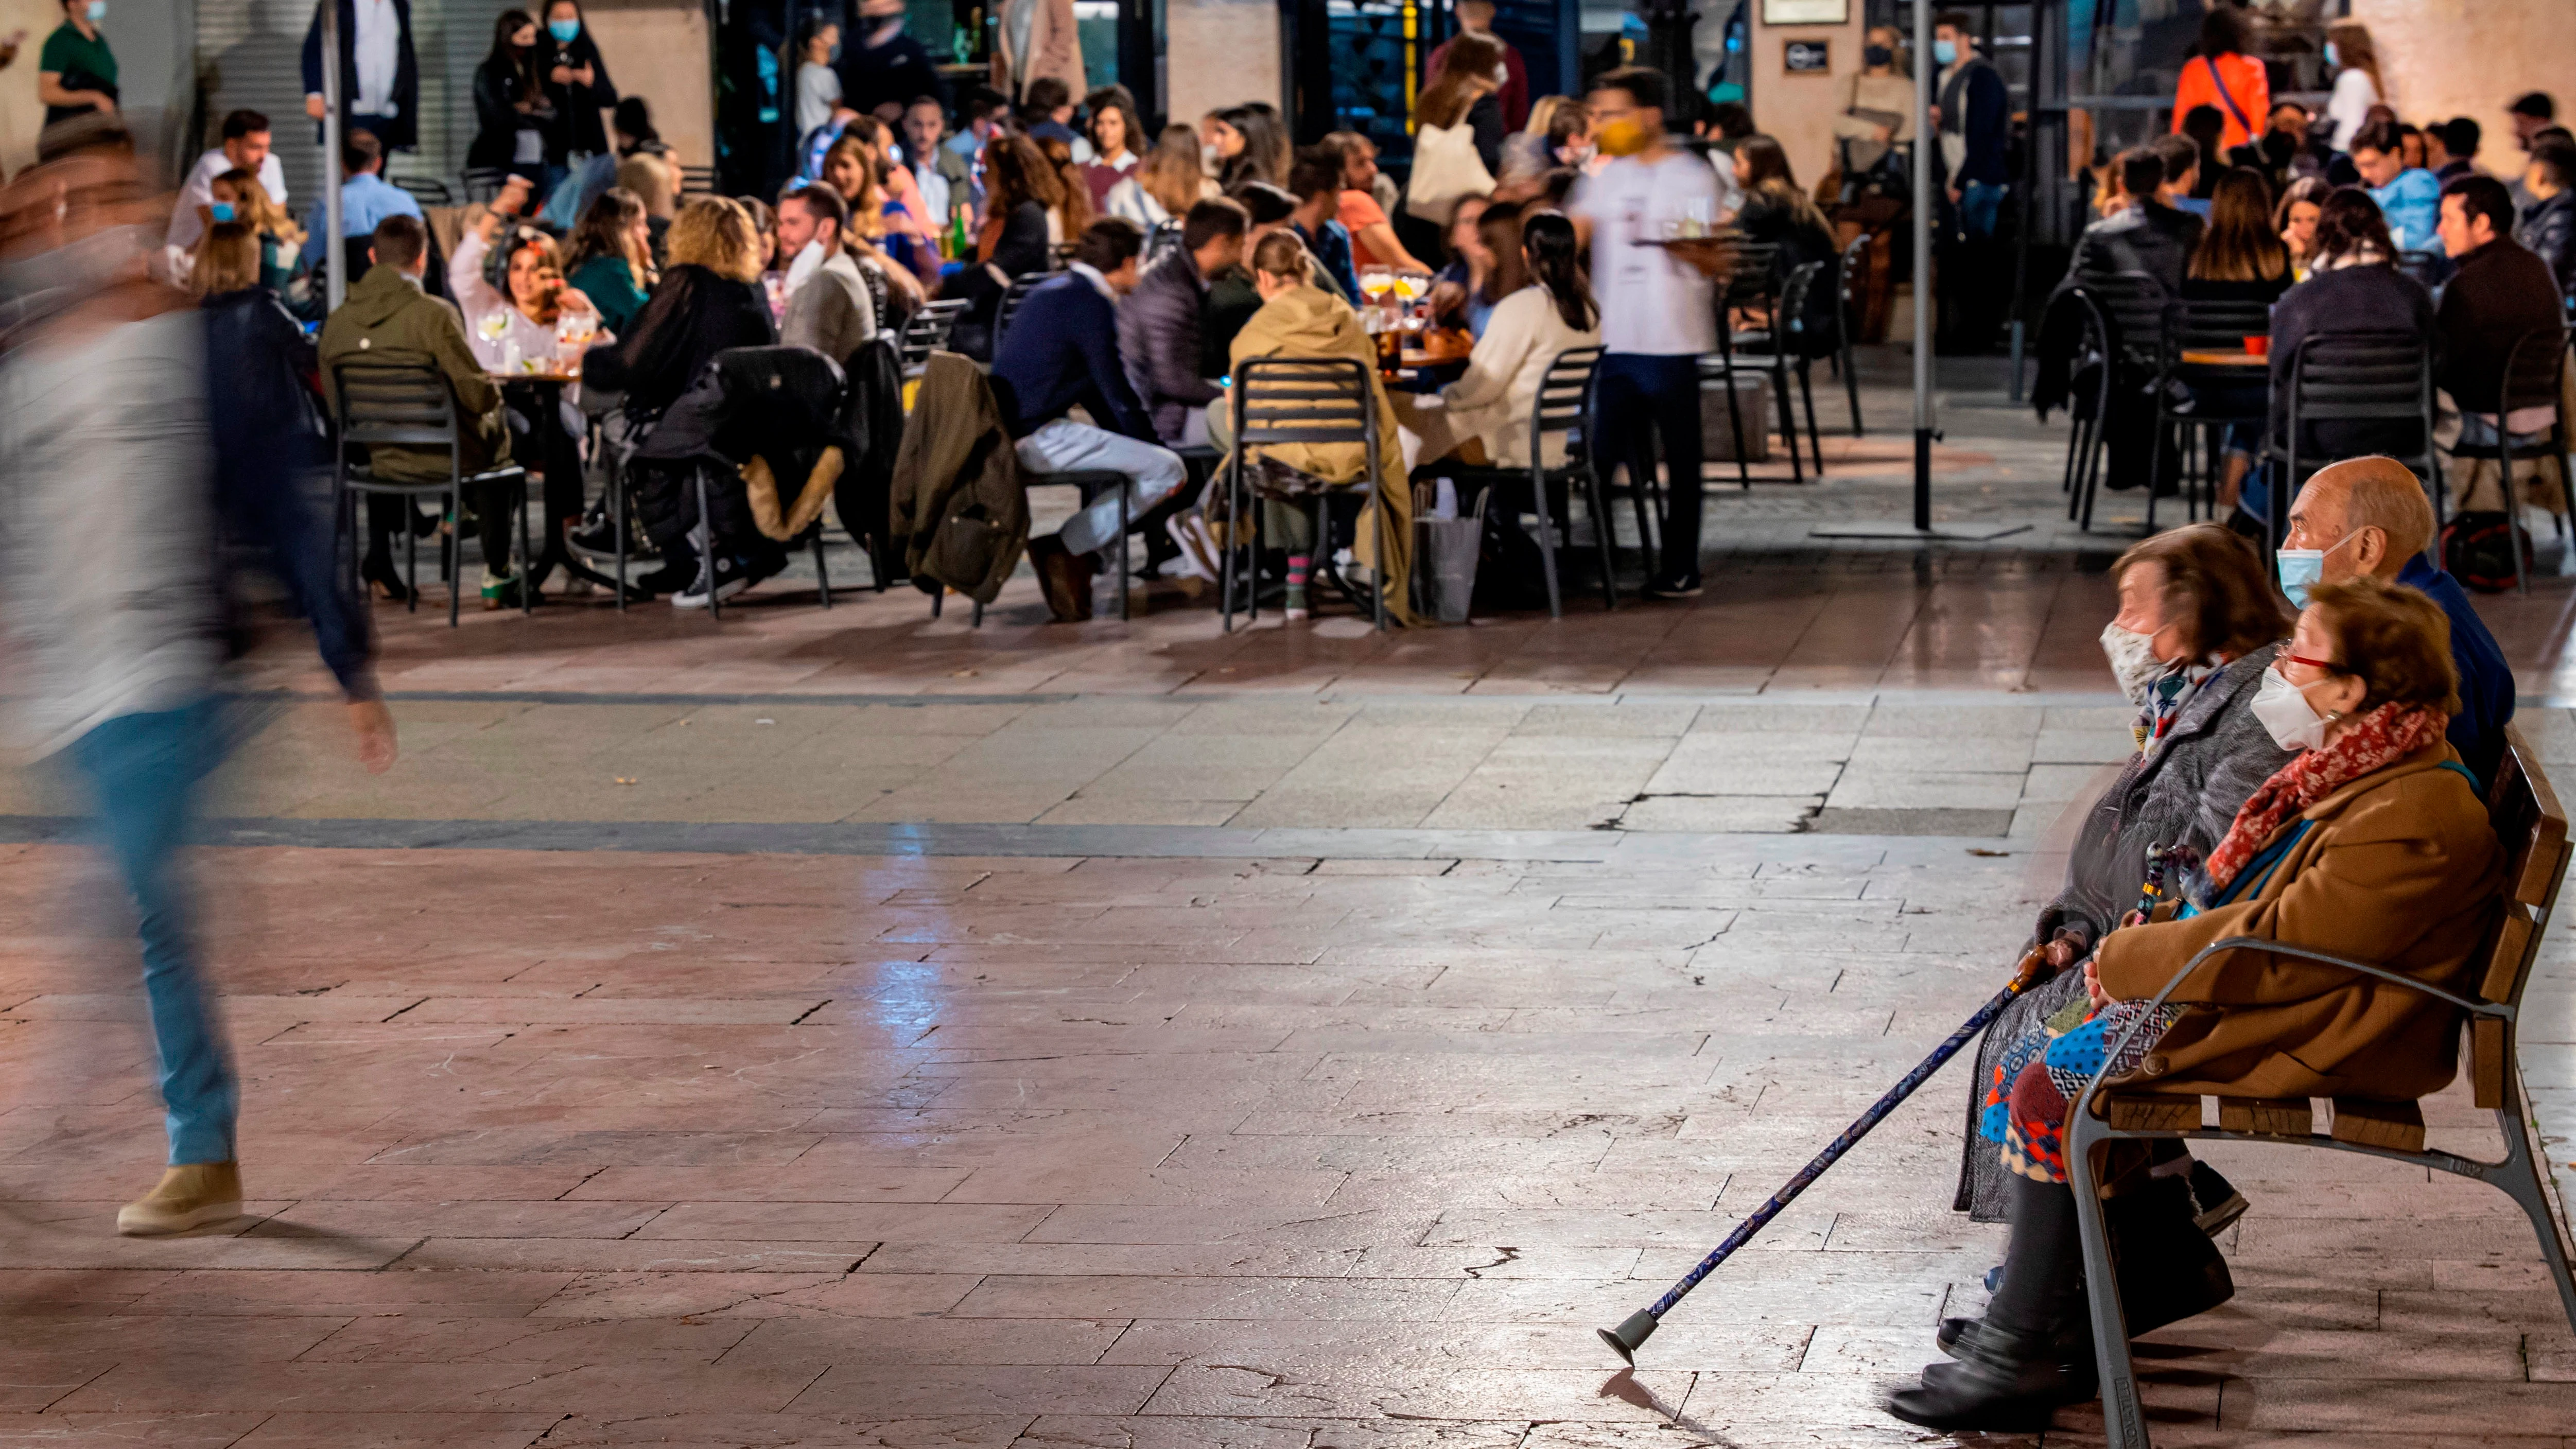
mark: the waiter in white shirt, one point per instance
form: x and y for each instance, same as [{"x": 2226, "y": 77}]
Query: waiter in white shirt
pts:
[
  {"x": 245, "y": 148},
  {"x": 379, "y": 75},
  {"x": 1649, "y": 217}
]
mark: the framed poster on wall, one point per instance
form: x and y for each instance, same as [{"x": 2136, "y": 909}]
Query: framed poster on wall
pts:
[{"x": 1806, "y": 12}]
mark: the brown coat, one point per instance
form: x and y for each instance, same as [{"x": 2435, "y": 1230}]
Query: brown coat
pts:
[
  {"x": 957, "y": 491},
  {"x": 2401, "y": 869}
]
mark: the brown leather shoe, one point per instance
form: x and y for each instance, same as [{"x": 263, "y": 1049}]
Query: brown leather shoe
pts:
[{"x": 1064, "y": 577}]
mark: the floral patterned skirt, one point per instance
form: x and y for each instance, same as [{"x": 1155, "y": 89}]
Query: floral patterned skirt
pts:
[{"x": 2026, "y": 1101}]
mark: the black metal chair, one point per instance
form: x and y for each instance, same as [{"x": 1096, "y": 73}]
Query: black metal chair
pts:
[
  {"x": 2532, "y": 372},
  {"x": 2126, "y": 314},
  {"x": 1300, "y": 400},
  {"x": 927, "y": 332},
  {"x": 700, "y": 478},
  {"x": 1849, "y": 269},
  {"x": 426, "y": 190},
  {"x": 1563, "y": 407},
  {"x": 2203, "y": 326},
  {"x": 408, "y": 405},
  {"x": 1754, "y": 284},
  {"x": 1799, "y": 346},
  {"x": 1013, "y": 297},
  {"x": 2533, "y": 828},
  {"x": 2357, "y": 377}
]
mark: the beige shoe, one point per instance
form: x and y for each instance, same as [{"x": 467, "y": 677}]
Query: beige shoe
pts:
[{"x": 190, "y": 1196}]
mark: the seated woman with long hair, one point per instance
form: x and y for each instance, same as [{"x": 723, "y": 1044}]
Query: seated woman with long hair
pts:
[
  {"x": 2199, "y": 622},
  {"x": 2354, "y": 286},
  {"x": 1775, "y": 212},
  {"x": 2373, "y": 845},
  {"x": 610, "y": 258},
  {"x": 2240, "y": 259},
  {"x": 1165, "y": 185},
  {"x": 1301, "y": 320},
  {"x": 1021, "y": 194},
  {"x": 279, "y": 239},
  {"x": 1489, "y": 407}
]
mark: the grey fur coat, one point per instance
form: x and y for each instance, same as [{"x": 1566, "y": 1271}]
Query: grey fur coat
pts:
[{"x": 2184, "y": 789}]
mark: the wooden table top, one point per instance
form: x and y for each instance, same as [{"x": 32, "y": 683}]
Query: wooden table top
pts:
[{"x": 2225, "y": 359}]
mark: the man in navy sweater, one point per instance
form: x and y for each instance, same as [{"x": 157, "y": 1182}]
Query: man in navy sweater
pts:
[
  {"x": 1062, "y": 349},
  {"x": 2370, "y": 516}
]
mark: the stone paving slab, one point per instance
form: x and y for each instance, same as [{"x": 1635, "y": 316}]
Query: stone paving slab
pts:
[{"x": 1159, "y": 1149}]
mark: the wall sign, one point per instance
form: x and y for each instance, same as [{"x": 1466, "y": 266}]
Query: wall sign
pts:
[
  {"x": 1806, "y": 12},
  {"x": 1807, "y": 57}
]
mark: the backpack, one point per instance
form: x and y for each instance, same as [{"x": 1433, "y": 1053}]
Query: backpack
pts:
[{"x": 2484, "y": 550}]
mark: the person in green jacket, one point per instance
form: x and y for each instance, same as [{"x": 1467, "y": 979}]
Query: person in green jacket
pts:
[
  {"x": 76, "y": 72},
  {"x": 610, "y": 259},
  {"x": 388, "y": 318}
]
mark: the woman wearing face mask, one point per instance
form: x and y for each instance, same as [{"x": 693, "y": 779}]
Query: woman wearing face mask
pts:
[
  {"x": 1878, "y": 115},
  {"x": 2371, "y": 844},
  {"x": 511, "y": 112},
  {"x": 76, "y": 72},
  {"x": 577, "y": 84},
  {"x": 237, "y": 195},
  {"x": 2198, "y": 625}
]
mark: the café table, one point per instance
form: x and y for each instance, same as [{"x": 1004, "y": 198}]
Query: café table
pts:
[{"x": 537, "y": 396}]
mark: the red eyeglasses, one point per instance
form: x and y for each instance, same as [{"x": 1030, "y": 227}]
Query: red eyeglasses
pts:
[{"x": 2327, "y": 665}]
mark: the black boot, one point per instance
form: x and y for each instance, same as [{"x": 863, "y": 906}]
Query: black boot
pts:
[
  {"x": 2011, "y": 1370},
  {"x": 2002, "y": 1381},
  {"x": 2217, "y": 1199}
]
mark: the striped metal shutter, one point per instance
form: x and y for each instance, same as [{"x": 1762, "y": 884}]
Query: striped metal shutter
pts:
[{"x": 251, "y": 55}]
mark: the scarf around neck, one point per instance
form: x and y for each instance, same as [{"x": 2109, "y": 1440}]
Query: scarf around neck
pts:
[{"x": 2382, "y": 737}]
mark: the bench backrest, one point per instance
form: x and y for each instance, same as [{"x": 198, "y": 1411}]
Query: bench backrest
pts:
[{"x": 2533, "y": 830}]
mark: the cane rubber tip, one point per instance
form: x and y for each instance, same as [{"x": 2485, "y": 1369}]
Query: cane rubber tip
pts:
[{"x": 1630, "y": 1335}]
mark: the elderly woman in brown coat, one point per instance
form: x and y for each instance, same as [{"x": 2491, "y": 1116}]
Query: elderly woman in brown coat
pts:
[{"x": 2371, "y": 844}]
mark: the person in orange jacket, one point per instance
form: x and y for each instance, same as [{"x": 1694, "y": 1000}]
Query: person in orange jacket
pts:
[{"x": 2222, "y": 75}]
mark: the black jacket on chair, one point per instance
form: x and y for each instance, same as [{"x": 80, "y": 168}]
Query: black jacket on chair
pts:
[
  {"x": 871, "y": 432},
  {"x": 782, "y": 404}
]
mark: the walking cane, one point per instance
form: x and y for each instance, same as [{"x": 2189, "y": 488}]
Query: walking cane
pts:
[{"x": 1633, "y": 1331}]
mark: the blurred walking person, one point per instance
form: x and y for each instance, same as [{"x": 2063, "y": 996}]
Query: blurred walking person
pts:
[{"x": 118, "y": 454}]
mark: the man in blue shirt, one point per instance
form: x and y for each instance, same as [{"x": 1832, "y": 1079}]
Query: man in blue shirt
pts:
[
  {"x": 1060, "y": 350},
  {"x": 2370, "y": 516},
  {"x": 1316, "y": 181},
  {"x": 366, "y": 198},
  {"x": 2408, "y": 195}
]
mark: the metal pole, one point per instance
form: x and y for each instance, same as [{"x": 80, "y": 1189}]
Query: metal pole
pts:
[
  {"x": 1926, "y": 146},
  {"x": 334, "y": 255}
]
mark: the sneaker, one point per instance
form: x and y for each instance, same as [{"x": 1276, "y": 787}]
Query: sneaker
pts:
[
  {"x": 1687, "y": 587},
  {"x": 190, "y": 1196},
  {"x": 596, "y": 535},
  {"x": 1198, "y": 549},
  {"x": 730, "y": 580}
]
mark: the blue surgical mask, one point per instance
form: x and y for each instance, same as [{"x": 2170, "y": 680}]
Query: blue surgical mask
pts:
[
  {"x": 2333, "y": 61},
  {"x": 2300, "y": 567},
  {"x": 223, "y": 211},
  {"x": 98, "y": 9},
  {"x": 564, "y": 31},
  {"x": 1945, "y": 53}
]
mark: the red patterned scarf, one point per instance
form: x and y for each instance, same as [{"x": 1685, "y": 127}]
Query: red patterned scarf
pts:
[{"x": 2382, "y": 737}]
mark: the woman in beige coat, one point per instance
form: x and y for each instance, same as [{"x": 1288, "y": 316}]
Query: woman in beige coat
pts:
[
  {"x": 2372, "y": 844},
  {"x": 1491, "y": 404},
  {"x": 1299, "y": 320}
]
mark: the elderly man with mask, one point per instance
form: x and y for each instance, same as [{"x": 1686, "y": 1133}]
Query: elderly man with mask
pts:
[{"x": 2370, "y": 516}]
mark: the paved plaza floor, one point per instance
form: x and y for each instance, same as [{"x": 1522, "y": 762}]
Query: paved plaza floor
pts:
[{"x": 856, "y": 1029}]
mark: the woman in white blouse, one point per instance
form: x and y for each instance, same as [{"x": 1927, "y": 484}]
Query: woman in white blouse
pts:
[
  {"x": 1493, "y": 402},
  {"x": 2356, "y": 82}
]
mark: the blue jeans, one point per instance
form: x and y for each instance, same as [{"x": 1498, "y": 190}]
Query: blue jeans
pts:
[
  {"x": 1638, "y": 395},
  {"x": 1981, "y": 203},
  {"x": 144, "y": 770}
]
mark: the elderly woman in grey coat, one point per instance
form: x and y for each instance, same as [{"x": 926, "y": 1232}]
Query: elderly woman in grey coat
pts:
[{"x": 2199, "y": 622}]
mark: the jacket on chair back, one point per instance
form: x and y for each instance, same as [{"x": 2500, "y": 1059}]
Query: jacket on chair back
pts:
[
  {"x": 957, "y": 493},
  {"x": 2400, "y": 869}
]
